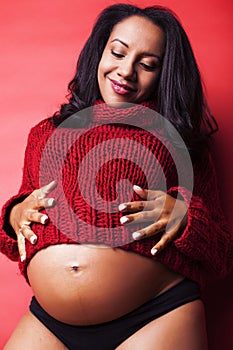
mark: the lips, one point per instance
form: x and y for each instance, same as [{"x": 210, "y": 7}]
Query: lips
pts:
[{"x": 121, "y": 89}]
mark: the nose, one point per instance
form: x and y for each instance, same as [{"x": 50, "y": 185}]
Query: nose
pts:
[{"x": 126, "y": 69}]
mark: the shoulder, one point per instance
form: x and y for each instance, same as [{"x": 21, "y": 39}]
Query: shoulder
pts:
[
  {"x": 43, "y": 126},
  {"x": 39, "y": 134},
  {"x": 41, "y": 130}
]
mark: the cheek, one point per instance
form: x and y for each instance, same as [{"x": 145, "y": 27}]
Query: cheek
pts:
[
  {"x": 149, "y": 84},
  {"x": 105, "y": 65},
  {"x": 100, "y": 73},
  {"x": 101, "y": 76}
]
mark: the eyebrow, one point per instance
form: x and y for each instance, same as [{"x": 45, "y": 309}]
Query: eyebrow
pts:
[{"x": 144, "y": 53}]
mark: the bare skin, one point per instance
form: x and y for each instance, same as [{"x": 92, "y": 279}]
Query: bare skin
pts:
[
  {"x": 169, "y": 216},
  {"x": 30, "y": 333},
  {"x": 183, "y": 328},
  {"x": 28, "y": 211}
]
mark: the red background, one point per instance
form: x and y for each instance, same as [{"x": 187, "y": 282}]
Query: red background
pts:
[{"x": 40, "y": 41}]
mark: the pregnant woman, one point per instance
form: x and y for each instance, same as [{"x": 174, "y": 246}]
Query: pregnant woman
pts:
[{"x": 113, "y": 265}]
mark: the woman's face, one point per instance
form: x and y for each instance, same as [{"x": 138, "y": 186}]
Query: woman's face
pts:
[{"x": 131, "y": 61}]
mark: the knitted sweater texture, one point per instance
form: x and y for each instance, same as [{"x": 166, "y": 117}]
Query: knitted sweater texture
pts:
[{"x": 95, "y": 168}]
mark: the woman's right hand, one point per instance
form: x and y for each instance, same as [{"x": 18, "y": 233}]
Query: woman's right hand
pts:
[{"x": 28, "y": 211}]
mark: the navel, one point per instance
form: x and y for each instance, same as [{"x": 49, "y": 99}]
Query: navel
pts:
[{"x": 75, "y": 268}]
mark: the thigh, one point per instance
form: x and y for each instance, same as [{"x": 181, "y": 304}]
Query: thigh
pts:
[
  {"x": 30, "y": 333},
  {"x": 183, "y": 328}
]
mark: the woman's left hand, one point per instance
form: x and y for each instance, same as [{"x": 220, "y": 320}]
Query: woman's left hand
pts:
[{"x": 167, "y": 216}]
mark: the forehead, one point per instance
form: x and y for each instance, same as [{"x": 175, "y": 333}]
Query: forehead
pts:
[{"x": 138, "y": 31}]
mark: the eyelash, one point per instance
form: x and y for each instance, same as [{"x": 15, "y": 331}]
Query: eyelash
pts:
[
  {"x": 145, "y": 66},
  {"x": 148, "y": 68},
  {"x": 118, "y": 55}
]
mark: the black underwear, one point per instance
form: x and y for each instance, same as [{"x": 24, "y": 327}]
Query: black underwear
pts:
[{"x": 109, "y": 335}]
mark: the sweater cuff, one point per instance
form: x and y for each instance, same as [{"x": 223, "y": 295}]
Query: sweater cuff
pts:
[
  {"x": 8, "y": 246},
  {"x": 180, "y": 193},
  {"x": 193, "y": 241}
]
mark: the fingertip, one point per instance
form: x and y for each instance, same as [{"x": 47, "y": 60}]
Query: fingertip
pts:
[
  {"x": 33, "y": 239},
  {"x": 137, "y": 188},
  {"x": 48, "y": 188},
  {"x": 44, "y": 219},
  {"x": 23, "y": 257},
  {"x": 124, "y": 220},
  {"x": 53, "y": 183},
  {"x": 51, "y": 202},
  {"x": 154, "y": 251},
  {"x": 137, "y": 235},
  {"x": 122, "y": 206}
]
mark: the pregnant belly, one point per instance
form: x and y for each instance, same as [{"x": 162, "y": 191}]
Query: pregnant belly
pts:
[{"x": 84, "y": 284}]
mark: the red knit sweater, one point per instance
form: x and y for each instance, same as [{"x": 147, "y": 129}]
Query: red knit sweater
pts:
[{"x": 95, "y": 168}]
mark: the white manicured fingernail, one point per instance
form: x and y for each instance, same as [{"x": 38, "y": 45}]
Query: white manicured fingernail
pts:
[
  {"x": 136, "y": 187},
  {"x": 52, "y": 182},
  {"x": 23, "y": 258},
  {"x": 137, "y": 235},
  {"x": 153, "y": 251},
  {"x": 122, "y": 207},
  {"x": 51, "y": 201},
  {"x": 33, "y": 239},
  {"x": 43, "y": 219},
  {"x": 123, "y": 220}
]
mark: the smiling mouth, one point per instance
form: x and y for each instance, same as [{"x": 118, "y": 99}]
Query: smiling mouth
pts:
[{"x": 121, "y": 89}]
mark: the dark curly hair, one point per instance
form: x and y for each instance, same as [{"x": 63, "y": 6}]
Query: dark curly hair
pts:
[{"x": 179, "y": 95}]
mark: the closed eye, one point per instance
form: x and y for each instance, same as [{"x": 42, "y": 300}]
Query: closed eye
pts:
[
  {"x": 116, "y": 54},
  {"x": 147, "y": 67}
]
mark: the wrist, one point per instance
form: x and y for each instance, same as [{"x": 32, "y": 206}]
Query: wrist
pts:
[{"x": 12, "y": 216}]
